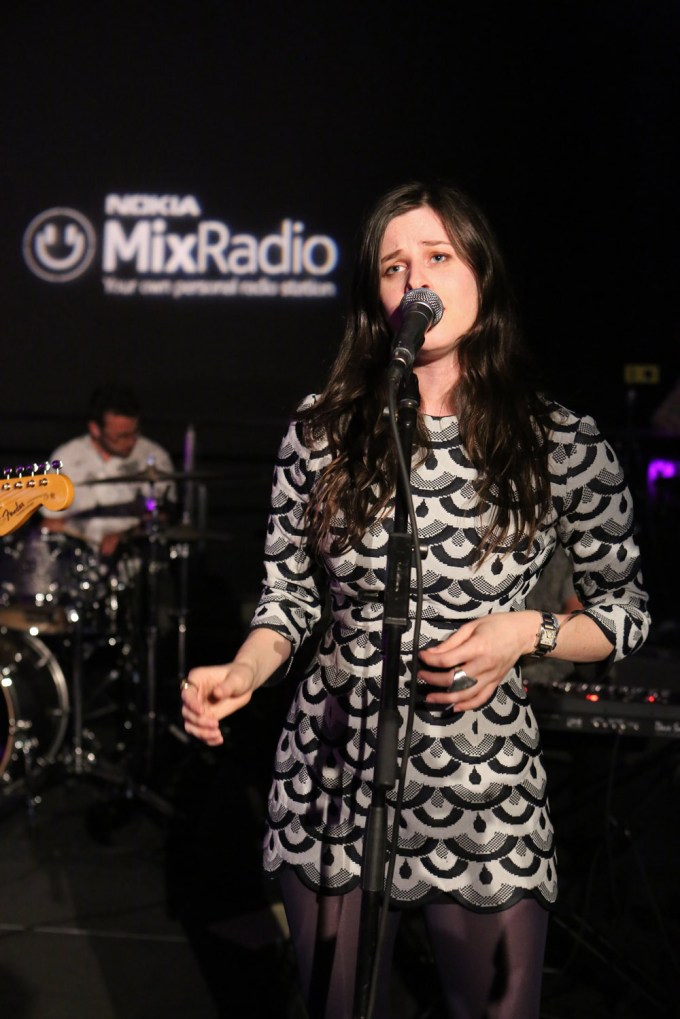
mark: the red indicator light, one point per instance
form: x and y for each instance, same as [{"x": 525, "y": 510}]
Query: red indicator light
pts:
[{"x": 592, "y": 697}]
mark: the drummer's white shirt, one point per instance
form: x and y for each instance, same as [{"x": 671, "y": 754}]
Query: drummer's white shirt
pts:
[{"x": 83, "y": 462}]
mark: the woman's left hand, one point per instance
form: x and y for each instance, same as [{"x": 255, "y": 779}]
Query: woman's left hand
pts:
[{"x": 485, "y": 650}]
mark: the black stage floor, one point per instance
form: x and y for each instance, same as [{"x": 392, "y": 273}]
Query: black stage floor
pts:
[{"x": 146, "y": 899}]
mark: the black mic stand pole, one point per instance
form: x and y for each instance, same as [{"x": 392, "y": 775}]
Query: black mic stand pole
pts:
[{"x": 400, "y": 552}]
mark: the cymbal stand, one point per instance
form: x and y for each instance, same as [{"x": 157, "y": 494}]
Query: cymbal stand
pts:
[
  {"x": 182, "y": 553},
  {"x": 152, "y": 605}
]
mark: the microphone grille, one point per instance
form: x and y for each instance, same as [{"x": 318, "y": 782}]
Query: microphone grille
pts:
[{"x": 423, "y": 295}]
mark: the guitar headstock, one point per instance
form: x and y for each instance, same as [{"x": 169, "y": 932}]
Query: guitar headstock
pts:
[{"x": 30, "y": 488}]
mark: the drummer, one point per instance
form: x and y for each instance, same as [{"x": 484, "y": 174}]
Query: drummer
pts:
[{"x": 106, "y": 511}]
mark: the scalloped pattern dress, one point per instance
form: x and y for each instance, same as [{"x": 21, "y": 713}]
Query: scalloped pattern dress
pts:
[{"x": 475, "y": 823}]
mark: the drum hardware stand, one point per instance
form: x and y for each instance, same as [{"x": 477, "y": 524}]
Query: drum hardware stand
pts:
[
  {"x": 182, "y": 555},
  {"x": 83, "y": 762},
  {"x": 152, "y": 607},
  {"x": 27, "y": 744},
  {"x": 181, "y": 552},
  {"x": 151, "y": 630}
]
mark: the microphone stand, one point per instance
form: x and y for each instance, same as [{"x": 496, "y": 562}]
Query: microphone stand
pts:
[{"x": 400, "y": 552}]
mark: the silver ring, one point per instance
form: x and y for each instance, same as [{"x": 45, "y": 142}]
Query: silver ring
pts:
[
  {"x": 186, "y": 683},
  {"x": 461, "y": 680}
]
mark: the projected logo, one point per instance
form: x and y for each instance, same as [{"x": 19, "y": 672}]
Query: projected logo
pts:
[
  {"x": 59, "y": 245},
  {"x": 155, "y": 245},
  {"x": 165, "y": 246}
]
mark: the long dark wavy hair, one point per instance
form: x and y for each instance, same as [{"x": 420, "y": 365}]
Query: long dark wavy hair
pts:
[{"x": 503, "y": 421}]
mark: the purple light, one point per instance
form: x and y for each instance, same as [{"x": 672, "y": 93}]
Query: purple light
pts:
[
  {"x": 661, "y": 469},
  {"x": 151, "y": 505}
]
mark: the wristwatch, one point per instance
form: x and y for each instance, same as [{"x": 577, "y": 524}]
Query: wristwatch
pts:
[{"x": 546, "y": 638}]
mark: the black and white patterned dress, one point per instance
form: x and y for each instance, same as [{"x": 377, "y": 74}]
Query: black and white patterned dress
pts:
[{"x": 475, "y": 821}]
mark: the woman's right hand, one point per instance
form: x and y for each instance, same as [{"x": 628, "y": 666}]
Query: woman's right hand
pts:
[{"x": 210, "y": 693}]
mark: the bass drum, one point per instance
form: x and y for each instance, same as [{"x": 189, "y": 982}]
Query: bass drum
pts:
[{"x": 34, "y": 707}]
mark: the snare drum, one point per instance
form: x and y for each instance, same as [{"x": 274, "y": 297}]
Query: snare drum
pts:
[
  {"x": 34, "y": 707},
  {"x": 42, "y": 575}
]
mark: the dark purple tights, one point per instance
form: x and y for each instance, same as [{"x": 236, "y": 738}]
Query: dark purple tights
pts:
[{"x": 490, "y": 964}]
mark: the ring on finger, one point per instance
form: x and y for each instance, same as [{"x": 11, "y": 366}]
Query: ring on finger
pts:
[{"x": 461, "y": 681}]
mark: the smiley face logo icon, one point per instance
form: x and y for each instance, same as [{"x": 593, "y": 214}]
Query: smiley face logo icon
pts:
[{"x": 59, "y": 245}]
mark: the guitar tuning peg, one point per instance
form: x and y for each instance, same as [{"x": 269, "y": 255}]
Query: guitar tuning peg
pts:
[
  {"x": 45, "y": 466},
  {"x": 19, "y": 471},
  {"x": 57, "y": 465}
]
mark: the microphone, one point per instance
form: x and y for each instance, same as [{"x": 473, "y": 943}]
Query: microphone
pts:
[{"x": 421, "y": 308}]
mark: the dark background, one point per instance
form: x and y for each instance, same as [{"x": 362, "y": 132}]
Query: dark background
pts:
[
  {"x": 557, "y": 117},
  {"x": 560, "y": 119}
]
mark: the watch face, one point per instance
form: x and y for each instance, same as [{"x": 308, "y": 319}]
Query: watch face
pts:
[{"x": 547, "y": 635}]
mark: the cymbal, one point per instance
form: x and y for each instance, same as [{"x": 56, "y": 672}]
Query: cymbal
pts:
[{"x": 151, "y": 475}]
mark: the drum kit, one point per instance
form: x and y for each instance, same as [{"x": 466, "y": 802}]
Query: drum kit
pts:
[{"x": 79, "y": 649}]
